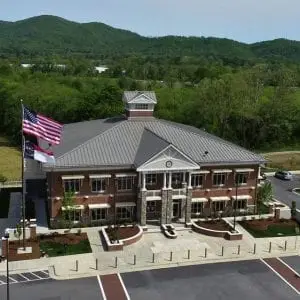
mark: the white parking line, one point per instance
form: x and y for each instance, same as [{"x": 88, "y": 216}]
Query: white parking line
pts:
[
  {"x": 36, "y": 275},
  {"x": 14, "y": 280},
  {"x": 123, "y": 285},
  {"x": 45, "y": 272},
  {"x": 23, "y": 277},
  {"x": 261, "y": 259},
  {"x": 101, "y": 287}
]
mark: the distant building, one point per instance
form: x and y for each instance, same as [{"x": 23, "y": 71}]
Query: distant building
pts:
[
  {"x": 137, "y": 167},
  {"x": 101, "y": 69}
]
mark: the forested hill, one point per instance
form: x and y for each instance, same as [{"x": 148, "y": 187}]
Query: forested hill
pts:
[{"x": 50, "y": 35}]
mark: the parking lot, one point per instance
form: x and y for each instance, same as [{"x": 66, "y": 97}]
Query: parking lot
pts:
[
  {"x": 229, "y": 281},
  {"x": 283, "y": 190}
]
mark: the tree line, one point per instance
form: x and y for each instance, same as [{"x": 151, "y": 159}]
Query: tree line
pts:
[{"x": 255, "y": 105}]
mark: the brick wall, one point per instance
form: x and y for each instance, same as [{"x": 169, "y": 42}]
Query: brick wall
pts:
[{"x": 85, "y": 195}]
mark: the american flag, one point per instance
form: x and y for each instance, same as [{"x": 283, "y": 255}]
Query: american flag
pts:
[{"x": 41, "y": 126}]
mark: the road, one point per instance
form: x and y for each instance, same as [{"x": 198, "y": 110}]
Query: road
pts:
[{"x": 283, "y": 190}]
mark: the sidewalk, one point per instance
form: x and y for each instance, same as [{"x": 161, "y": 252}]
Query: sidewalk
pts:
[{"x": 155, "y": 251}]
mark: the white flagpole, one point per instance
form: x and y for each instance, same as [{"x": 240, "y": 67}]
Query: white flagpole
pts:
[{"x": 23, "y": 178}]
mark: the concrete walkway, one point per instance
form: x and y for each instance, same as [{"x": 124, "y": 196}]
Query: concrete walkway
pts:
[{"x": 154, "y": 250}]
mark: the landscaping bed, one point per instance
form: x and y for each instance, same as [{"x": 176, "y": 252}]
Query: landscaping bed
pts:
[
  {"x": 15, "y": 245},
  {"x": 219, "y": 225},
  {"x": 117, "y": 237},
  {"x": 64, "y": 244},
  {"x": 270, "y": 227}
]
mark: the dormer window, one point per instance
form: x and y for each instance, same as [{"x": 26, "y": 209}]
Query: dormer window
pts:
[{"x": 141, "y": 106}]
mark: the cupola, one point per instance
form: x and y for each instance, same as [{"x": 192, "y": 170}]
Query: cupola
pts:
[{"x": 139, "y": 104}]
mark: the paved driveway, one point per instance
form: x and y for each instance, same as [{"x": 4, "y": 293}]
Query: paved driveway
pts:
[
  {"x": 245, "y": 280},
  {"x": 283, "y": 190}
]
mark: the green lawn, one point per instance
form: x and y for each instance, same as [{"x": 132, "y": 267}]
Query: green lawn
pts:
[
  {"x": 58, "y": 249},
  {"x": 272, "y": 231}
]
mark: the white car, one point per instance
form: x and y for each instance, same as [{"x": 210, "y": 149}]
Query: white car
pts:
[{"x": 285, "y": 175}]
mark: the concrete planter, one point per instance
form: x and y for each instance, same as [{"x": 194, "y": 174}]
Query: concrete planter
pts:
[
  {"x": 118, "y": 245},
  {"x": 228, "y": 235},
  {"x": 169, "y": 231}
]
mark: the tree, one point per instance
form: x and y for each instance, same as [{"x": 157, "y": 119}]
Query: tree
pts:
[
  {"x": 293, "y": 209},
  {"x": 264, "y": 195},
  {"x": 68, "y": 202},
  {"x": 18, "y": 231}
]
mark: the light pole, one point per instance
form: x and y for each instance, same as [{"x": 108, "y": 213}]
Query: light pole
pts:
[{"x": 6, "y": 235}]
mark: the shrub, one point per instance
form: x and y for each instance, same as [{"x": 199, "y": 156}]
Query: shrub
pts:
[
  {"x": 78, "y": 232},
  {"x": 2, "y": 178}
]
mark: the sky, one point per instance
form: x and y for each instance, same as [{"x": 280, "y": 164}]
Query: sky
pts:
[{"x": 243, "y": 20}]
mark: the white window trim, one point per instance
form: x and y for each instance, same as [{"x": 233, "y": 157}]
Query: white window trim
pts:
[
  {"x": 222, "y": 184},
  {"x": 91, "y": 185}
]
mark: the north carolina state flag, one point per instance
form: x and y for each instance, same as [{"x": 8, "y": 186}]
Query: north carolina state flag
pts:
[{"x": 33, "y": 151}]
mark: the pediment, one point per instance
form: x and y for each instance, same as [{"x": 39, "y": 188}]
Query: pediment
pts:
[
  {"x": 169, "y": 159},
  {"x": 143, "y": 99}
]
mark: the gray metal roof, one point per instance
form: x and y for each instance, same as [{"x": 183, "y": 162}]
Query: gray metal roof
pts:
[
  {"x": 150, "y": 145},
  {"x": 120, "y": 142},
  {"x": 128, "y": 96}
]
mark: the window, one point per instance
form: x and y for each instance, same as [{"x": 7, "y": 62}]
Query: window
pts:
[
  {"x": 151, "y": 179},
  {"x": 197, "y": 180},
  {"x": 151, "y": 206},
  {"x": 125, "y": 183},
  {"x": 219, "y": 179},
  {"x": 98, "y": 185},
  {"x": 141, "y": 106},
  {"x": 241, "y": 178},
  {"x": 73, "y": 215},
  {"x": 219, "y": 205},
  {"x": 99, "y": 214},
  {"x": 197, "y": 209},
  {"x": 176, "y": 178},
  {"x": 125, "y": 213},
  {"x": 72, "y": 185},
  {"x": 240, "y": 204}
]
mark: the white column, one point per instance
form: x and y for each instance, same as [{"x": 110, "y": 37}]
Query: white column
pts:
[
  {"x": 165, "y": 181},
  {"x": 183, "y": 177},
  {"x": 144, "y": 181},
  {"x": 140, "y": 180},
  {"x": 170, "y": 180},
  {"x": 190, "y": 180}
]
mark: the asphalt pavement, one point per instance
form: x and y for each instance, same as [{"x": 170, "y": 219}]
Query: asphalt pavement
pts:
[
  {"x": 245, "y": 280},
  {"x": 49, "y": 289},
  {"x": 283, "y": 190}
]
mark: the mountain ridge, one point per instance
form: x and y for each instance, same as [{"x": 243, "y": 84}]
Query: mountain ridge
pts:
[{"x": 47, "y": 35}]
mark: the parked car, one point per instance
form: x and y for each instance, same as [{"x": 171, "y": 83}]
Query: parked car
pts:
[{"x": 285, "y": 175}]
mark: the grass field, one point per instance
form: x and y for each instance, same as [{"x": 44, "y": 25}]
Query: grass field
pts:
[
  {"x": 10, "y": 160},
  {"x": 289, "y": 160}
]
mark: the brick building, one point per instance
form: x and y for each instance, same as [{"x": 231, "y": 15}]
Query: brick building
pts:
[{"x": 137, "y": 167}]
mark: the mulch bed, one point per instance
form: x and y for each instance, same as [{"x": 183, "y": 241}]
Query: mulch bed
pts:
[
  {"x": 124, "y": 232},
  {"x": 263, "y": 224},
  {"x": 215, "y": 225},
  {"x": 13, "y": 248},
  {"x": 67, "y": 238}
]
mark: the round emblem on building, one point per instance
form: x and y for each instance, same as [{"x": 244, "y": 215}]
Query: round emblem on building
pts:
[{"x": 169, "y": 164}]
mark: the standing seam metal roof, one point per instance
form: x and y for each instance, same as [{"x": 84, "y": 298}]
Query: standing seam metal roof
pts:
[{"x": 132, "y": 142}]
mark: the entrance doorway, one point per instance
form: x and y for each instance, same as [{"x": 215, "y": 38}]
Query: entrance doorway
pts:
[{"x": 176, "y": 209}]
